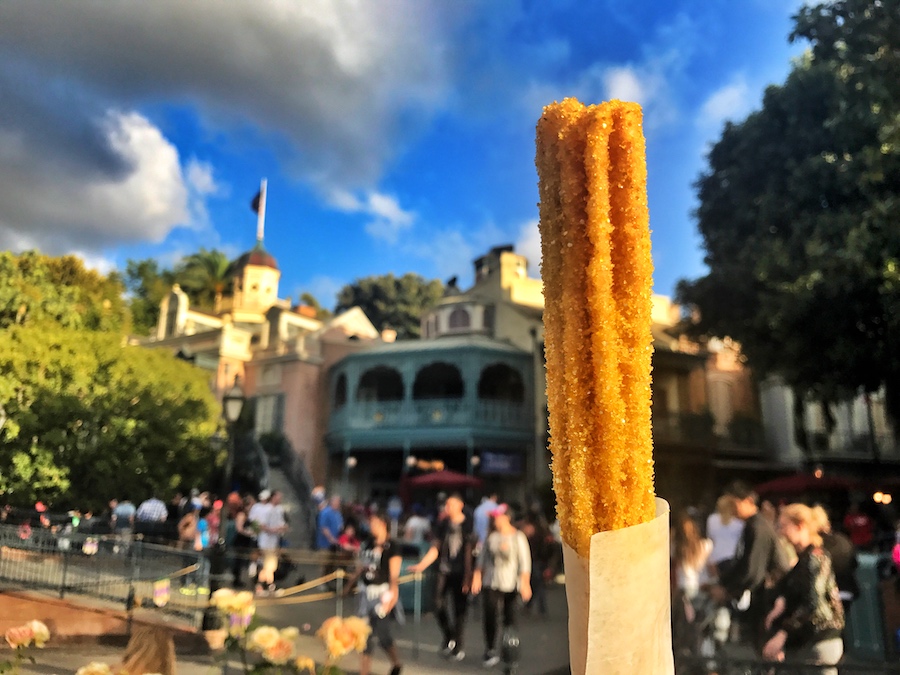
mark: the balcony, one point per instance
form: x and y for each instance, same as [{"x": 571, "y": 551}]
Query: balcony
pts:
[
  {"x": 744, "y": 436},
  {"x": 430, "y": 413}
]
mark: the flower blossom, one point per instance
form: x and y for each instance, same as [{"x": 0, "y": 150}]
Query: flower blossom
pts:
[
  {"x": 305, "y": 663},
  {"x": 40, "y": 633},
  {"x": 22, "y": 636},
  {"x": 341, "y": 636},
  {"x": 263, "y": 638},
  {"x": 95, "y": 668},
  {"x": 280, "y": 652}
]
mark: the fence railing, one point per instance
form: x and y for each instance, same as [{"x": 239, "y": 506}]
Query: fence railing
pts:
[
  {"x": 723, "y": 665},
  {"x": 119, "y": 569}
]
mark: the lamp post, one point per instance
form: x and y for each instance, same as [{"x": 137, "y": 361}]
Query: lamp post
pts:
[
  {"x": 410, "y": 463},
  {"x": 349, "y": 463},
  {"x": 232, "y": 405}
]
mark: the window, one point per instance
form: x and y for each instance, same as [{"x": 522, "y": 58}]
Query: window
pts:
[
  {"x": 438, "y": 380},
  {"x": 459, "y": 318},
  {"x": 380, "y": 383},
  {"x": 500, "y": 382},
  {"x": 340, "y": 391},
  {"x": 488, "y": 319},
  {"x": 269, "y": 413}
]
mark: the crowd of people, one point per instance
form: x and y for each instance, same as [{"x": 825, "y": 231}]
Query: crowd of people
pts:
[
  {"x": 492, "y": 554},
  {"x": 488, "y": 555},
  {"x": 778, "y": 579}
]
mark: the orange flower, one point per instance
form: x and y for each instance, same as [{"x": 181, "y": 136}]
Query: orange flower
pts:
[
  {"x": 361, "y": 629},
  {"x": 281, "y": 652},
  {"x": 40, "y": 633},
  {"x": 263, "y": 638},
  {"x": 341, "y": 636},
  {"x": 20, "y": 636},
  {"x": 305, "y": 663},
  {"x": 94, "y": 668}
]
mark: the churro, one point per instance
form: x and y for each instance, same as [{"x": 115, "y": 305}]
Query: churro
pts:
[{"x": 597, "y": 271}]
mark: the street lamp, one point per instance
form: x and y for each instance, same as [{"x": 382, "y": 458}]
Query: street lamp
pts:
[
  {"x": 232, "y": 405},
  {"x": 349, "y": 462}
]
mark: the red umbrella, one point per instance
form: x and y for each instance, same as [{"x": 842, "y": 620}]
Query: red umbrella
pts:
[
  {"x": 807, "y": 482},
  {"x": 448, "y": 480}
]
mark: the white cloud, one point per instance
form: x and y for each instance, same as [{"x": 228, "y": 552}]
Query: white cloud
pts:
[
  {"x": 528, "y": 244},
  {"x": 336, "y": 86},
  {"x": 388, "y": 219},
  {"x": 323, "y": 288},
  {"x": 452, "y": 250},
  {"x": 96, "y": 262},
  {"x": 623, "y": 83},
  {"x": 200, "y": 177},
  {"x": 730, "y": 102},
  {"x": 58, "y": 209}
]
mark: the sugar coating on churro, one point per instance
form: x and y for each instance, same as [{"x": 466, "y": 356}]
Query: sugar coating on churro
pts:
[{"x": 597, "y": 273}]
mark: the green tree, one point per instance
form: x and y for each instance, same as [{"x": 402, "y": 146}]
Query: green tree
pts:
[
  {"x": 310, "y": 300},
  {"x": 392, "y": 302},
  {"x": 90, "y": 418},
  {"x": 35, "y": 288},
  {"x": 204, "y": 276},
  {"x": 797, "y": 214},
  {"x": 147, "y": 285}
]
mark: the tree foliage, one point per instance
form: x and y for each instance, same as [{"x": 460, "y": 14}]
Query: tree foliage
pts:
[
  {"x": 147, "y": 284},
  {"x": 392, "y": 302},
  {"x": 87, "y": 417},
  {"x": 797, "y": 212},
  {"x": 310, "y": 300},
  {"x": 204, "y": 277},
  {"x": 35, "y": 288},
  {"x": 90, "y": 418}
]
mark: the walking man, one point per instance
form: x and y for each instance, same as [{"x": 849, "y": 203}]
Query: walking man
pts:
[
  {"x": 453, "y": 548},
  {"x": 758, "y": 561},
  {"x": 503, "y": 570},
  {"x": 272, "y": 525}
]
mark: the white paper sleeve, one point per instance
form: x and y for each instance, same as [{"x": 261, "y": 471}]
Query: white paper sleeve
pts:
[{"x": 620, "y": 602}]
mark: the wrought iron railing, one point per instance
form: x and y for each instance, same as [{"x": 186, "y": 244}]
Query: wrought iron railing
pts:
[
  {"x": 119, "y": 569},
  {"x": 431, "y": 412},
  {"x": 722, "y": 665}
]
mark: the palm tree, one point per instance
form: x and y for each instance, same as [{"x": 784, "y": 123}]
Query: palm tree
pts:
[{"x": 204, "y": 277}]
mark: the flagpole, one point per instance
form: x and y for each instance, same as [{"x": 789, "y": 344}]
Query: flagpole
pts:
[{"x": 261, "y": 213}]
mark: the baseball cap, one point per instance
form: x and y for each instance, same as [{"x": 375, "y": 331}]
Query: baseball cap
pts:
[{"x": 264, "y": 495}]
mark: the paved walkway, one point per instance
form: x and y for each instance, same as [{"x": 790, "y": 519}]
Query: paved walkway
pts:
[{"x": 544, "y": 644}]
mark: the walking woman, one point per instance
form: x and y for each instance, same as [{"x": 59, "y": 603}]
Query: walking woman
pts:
[
  {"x": 690, "y": 564},
  {"x": 379, "y": 576},
  {"x": 807, "y": 619},
  {"x": 503, "y": 570}
]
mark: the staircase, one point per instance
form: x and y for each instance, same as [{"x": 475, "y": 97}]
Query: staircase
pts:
[{"x": 288, "y": 473}]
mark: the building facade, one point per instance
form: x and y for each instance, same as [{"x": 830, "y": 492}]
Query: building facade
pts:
[
  {"x": 705, "y": 410},
  {"x": 279, "y": 352}
]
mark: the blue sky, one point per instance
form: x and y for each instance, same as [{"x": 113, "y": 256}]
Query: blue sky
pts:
[{"x": 396, "y": 136}]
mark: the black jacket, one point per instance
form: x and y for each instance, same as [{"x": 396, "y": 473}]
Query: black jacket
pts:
[
  {"x": 843, "y": 561},
  {"x": 813, "y": 610},
  {"x": 758, "y": 557}
]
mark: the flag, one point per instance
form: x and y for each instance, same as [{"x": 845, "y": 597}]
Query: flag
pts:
[{"x": 255, "y": 203}]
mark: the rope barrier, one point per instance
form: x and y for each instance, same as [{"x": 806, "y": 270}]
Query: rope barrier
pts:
[{"x": 283, "y": 597}]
